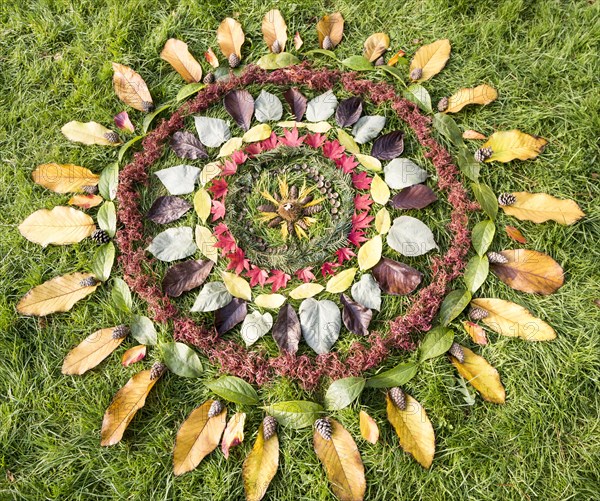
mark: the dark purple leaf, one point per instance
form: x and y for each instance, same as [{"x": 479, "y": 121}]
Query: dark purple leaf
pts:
[
  {"x": 396, "y": 278},
  {"x": 348, "y": 111},
  {"x": 388, "y": 146},
  {"x": 286, "y": 330},
  {"x": 185, "y": 276},
  {"x": 168, "y": 209},
  {"x": 355, "y": 316},
  {"x": 296, "y": 101},
  {"x": 229, "y": 316},
  {"x": 414, "y": 197},
  {"x": 187, "y": 145},
  {"x": 240, "y": 105}
]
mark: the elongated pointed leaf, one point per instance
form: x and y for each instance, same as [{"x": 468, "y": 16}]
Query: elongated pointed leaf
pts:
[
  {"x": 260, "y": 466},
  {"x": 430, "y": 59},
  {"x": 65, "y": 178},
  {"x": 240, "y": 105},
  {"x": 274, "y": 31},
  {"x": 484, "y": 378},
  {"x": 410, "y": 237},
  {"x": 348, "y": 111},
  {"x": 131, "y": 88},
  {"x": 91, "y": 351},
  {"x": 367, "y": 128},
  {"x": 513, "y": 144},
  {"x": 176, "y": 53},
  {"x": 230, "y": 37},
  {"x": 186, "y": 276},
  {"x": 375, "y": 46},
  {"x": 297, "y": 102},
  {"x": 321, "y": 107},
  {"x": 167, "y": 209},
  {"x": 417, "y": 196},
  {"x": 286, "y": 330},
  {"x": 89, "y": 133},
  {"x": 356, "y": 317},
  {"x": 342, "y": 392},
  {"x": 182, "y": 360},
  {"x": 234, "y": 389},
  {"x": 173, "y": 244},
  {"x": 482, "y": 94},
  {"x": 540, "y": 207}
]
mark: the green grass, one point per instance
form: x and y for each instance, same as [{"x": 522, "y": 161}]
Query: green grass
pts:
[{"x": 544, "y": 443}]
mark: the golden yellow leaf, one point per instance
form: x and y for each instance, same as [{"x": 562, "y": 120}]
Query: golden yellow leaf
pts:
[
  {"x": 508, "y": 145},
  {"x": 260, "y": 466},
  {"x": 476, "y": 332},
  {"x": 393, "y": 61},
  {"x": 340, "y": 282},
  {"x": 473, "y": 134},
  {"x": 380, "y": 192},
  {"x": 234, "y": 433},
  {"x": 484, "y": 378},
  {"x": 91, "y": 351},
  {"x": 413, "y": 429},
  {"x": 274, "y": 30},
  {"x": 131, "y": 88},
  {"x": 430, "y": 59},
  {"x": 257, "y": 133},
  {"x": 342, "y": 462},
  {"x": 540, "y": 207},
  {"x": 375, "y": 46},
  {"x": 233, "y": 144},
  {"x": 318, "y": 127},
  {"x": 133, "y": 355},
  {"x": 331, "y": 26},
  {"x": 368, "y": 428},
  {"x": 304, "y": 291},
  {"x": 59, "y": 226},
  {"x": 230, "y": 37},
  {"x": 482, "y": 94},
  {"x": 89, "y": 133},
  {"x": 512, "y": 320},
  {"x": 369, "y": 162},
  {"x": 205, "y": 241},
  {"x": 85, "y": 201},
  {"x": 176, "y": 53},
  {"x": 347, "y": 141},
  {"x": 269, "y": 301},
  {"x": 370, "y": 253},
  {"x": 237, "y": 286},
  {"x": 383, "y": 221},
  {"x": 125, "y": 404},
  {"x": 209, "y": 172},
  {"x": 198, "y": 436},
  {"x": 67, "y": 178},
  {"x": 202, "y": 204}
]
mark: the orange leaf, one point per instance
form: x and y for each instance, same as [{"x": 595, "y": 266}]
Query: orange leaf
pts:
[
  {"x": 234, "y": 433},
  {"x": 91, "y": 351},
  {"x": 331, "y": 26},
  {"x": 430, "y": 59},
  {"x": 540, "y": 207},
  {"x": 131, "y": 88},
  {"x": 176, "y": 53},
  {"x": 298, "y": 42},
  {"x": 511, "y": 144},
  {"x": 64, "y": 178},
  {"x": 482, "y": 94},
  {"x": 133, "y": 355},
  {"x": 484, "y": 378},
  {"x": 260, "y": 466},
  {"x": 368, "y": 428},
  {"x": 393, "y": 61},
  {"x": 274, "y": 30},
  {"x": 476, "y": 332},
  {"x": 473, "y": 134},
  {"x": 515, "y": 234},
  {"x": 211, "y": 58},
  {"x": 59, "y": 226},
  {"x": 375, "y": 46},
  {"x": 230, "y": 37},
  {"x": 86, "y": 201}
]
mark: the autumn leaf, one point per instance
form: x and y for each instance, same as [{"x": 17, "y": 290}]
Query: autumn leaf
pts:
[
  {"x": 234, "y": 433},
  {"x": 370, "y": 253},
  {"x": 429, "y": 60},
  {"x": 476, "y": 332},
  {"x": 540, "y": 207},
  {"x": 515, "y": 234},
  {"x": 261, "y": 465},
  {"x": 298, "y": 42},
  {"x": 85, "y": 201},
  {"x": 90, "y": 133},
  {"x": 286, "y": 330},
  {"x": 274, "y": 31},
  {"x": 185, "y": 276},
  {"x": 396, "y": 278},
  {"x": 368, "y": 428},
  {"x": 513, "y": 144},
  {"x": 205, "y": 241},
  {"x": 355, "y": 316},
  {"x": 380, "y": 191},
  {"x": 131, "y": 88},
  {"x": 340, "y": 282},
  {"x": 59, "y": 226},
  {"x": 91, "y": 351},
  {"x": 202, "y": 204},
  {"x": 484, "y": 378},
  {"x": 342, "y": 462},
  {"x": 482, "y": 94},
  {"x": 197, "y": 437},
  {"x": 230, "y": 37},
  {"x": 304, "y": 291},
  {"x": 474, "y": 135},
  {"x": 330, "y": 27},
  {"x": 383, "y": 221},
  {"x": 67, "y": 178},
  {"x": 375, "y": 46},
  {"x": 176, "y": 53},
  {"x": 211, "y": 58},
  {"x": 133, "y": 355}
]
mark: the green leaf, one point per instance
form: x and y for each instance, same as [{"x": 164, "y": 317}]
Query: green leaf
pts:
[
  {"x": 395, "y": 72},
  {"x": 123, "y": 149},
  {"x": 143, "y": 331},
  {"x": 121, "y": 295},
  {"x": 234, "y": 389},
  {"x": 399, "y": 375},
  {"x": 286, "y": 59},
  {"x": 358, "y": 63},
  {"x": 453, "y": 305},
  {"x": 486, "y": 198},
  {"x": 447, "y": 127},
  {"x": 104, "y": 259},
  {"x": 476, "y": 272},
  {"x": 343, "y": 392},
  {"x": 189, "y": 90},
  {"x": 107, "y": 218},
  {"x": 109, "y": 181},
  {"x": 437, "y": 342},
  {"x": 268, "y": 62},
  {"x": 482, "y": 236},
  {"x": 323, "y": 52},
  {"x": 296, "y": 414},
  {"x": 419, "y": 95},
  {"x": 182, "y": 360},
  {"x": 151, "y": 116},
  {"x": 467, "y": 163}
]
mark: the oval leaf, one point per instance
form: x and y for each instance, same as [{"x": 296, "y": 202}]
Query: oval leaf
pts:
[
  {"x": 436, "y": 342},
  {"x": 133, "y": 355},
  {"x": 185, "y": 276},
  {"x": 321, "y": 107},
  {"x": 367, "y": 292},
  {"x": 143, "y": 331},
  {"x": 267, "y": 107},
  {"x": 269, "y": 301},
  {"x": 380, "y": 191},
  {"x": 453, "y": 305},
  {"x": 213, "y": 296},
  {"x": 237, "y": 286},
  {"x": 186, "y": 145},
  {"x": 176, "y": 53},
  {"x": 355, "y": 316},
  {"x": 340, "y": 282},
  {"x": 396, "y": 278},
  {"x": 388, "y": 146},
  {"x": 320, "y": 322},
  {"x": 417, "y": 196},
  {"x": 296, "y": 414},
  {"x": 182, "y": 360},
  {"x": 368, "y": 128},
  {"x": 348, "y": 111},
  {"x": 255, "y": 326},
  {"x": 180, "y": 179},
  {"x": 375, "y": 46},
  {"x": 484, "y": 378},
  {"x": 167, "y": 209},
  {"x": 131, "y": 88},
  {"x": 540, "y": 207},
  {"x": 482, "y": 236},
  {"x": 287, "y": 331},
  {"x": 410, "y": 237},
  {"x": 398, "y": 376},
  {"x": 234, "y": 390},
  {"x": 230, "y": 38},
  {"x": 343, "y": 392},
  {"x": 297, "y": 102},
  {"x": 368, "y": 428},
  {"x": 230, "y": 315},
  {"x": 66, "y": 178},
  {"x": 91, "y": 351},
  {"x": 430, "y": 59},
  {"x": 213, "y": 132},
  {"x": 59, "y": 226},
  {"x": 370, "y": 253},
  {"x": 89, "y": 133},
  {"x": 173, "y": 244},
  {"x": 482, "y": 94},
  {"x": 513, "y": 144},
  {"x": 402, "y": 173},
  {"x": 260, "y": 466}
]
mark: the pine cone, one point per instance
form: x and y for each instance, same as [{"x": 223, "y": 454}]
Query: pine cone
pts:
[
  {"x": 90, "y": 189},
  {"x": 100, "y": 237},
  {"x": 269, "y": 427},
  {"x": 477, "y": 313},
  {"x": 457, "y": 352},
  {"x": 267, "y": 208},
  {"x": 443, "y": 104},
  {"x": 293, "y": 192},
  {"x": 147, "y": 106},
  {"x": 496, "y": 258},
  {"x": 89, "y": 282},
  {"x": 113, "y": 137},
  {"x": 234, "y": 60},
  {"x": 506, "y": 199},
  {"x": 157, "y": 370},
  {"x": 309, "y": 211},
  {"x": 120, "y": 331},
  {"x": 327, "y": 43},
  {"x": 276, "y": 47},
  {"x": 215, "y": 409},
  {"x": 416, "y": 74},
  {"x": 397, "y": 396},
  {"x": 323, "y": 426},
  {"x": 209, "y": 78},
  {"x": 483, "y": 154}
]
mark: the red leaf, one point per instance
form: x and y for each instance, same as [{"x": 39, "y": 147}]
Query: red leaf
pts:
[
  {"x": 356, "y": 237},
  {"x": 271, "y": 142},
  {"x": 218, "y": 188},
  {"x": 315, "y": 140},
  {"x": 225, "y": 242},
  {"x": 363, "y": 202},
  {"x": 361, "y": 181},
  {"x": 278, "y": 279},
  {"x": 361, "y": 220},
  {"x": 253, "y": 149},
  {"x": 296, "y": 101},
  {"x": 329, "y": 268},
  {"x": 239, "y": 157},
  {"x": 515, "y": 234},
  {"x": 238, "y": 261},
  {"x": 240, "y": 105},
  {"x": 333, "y": 149},
  {"x": 291, "y": 138},
  {"x": 257, "y": 276},
  {"x": 229, "y": 168},
  {"x": 344, "y": 254},
  {"x": 220, "y": 228},
  {"x": 414, "y": 197},
  {"x": 346, "y": 163},
  {"x": 217, "y": 210},
  {"x": 122, "y": 122},
  {"x": 305, "y": 274}
]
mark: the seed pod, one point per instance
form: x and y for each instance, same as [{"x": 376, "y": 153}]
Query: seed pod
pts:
[
  {"x": 276, "y": 47},
  {"x": 477, "y": 313},
  {"x": 215, "y": 409},
  {"x": 269, "y": 427},
  {"x": 443, "y": 104},
  {"x": 147, "y": 107}
]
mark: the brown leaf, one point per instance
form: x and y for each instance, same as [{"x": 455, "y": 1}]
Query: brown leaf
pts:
[
  {"x": 133, "y": 355},
  {"x": 57, "y": 294},
  {"x": 176, "y": 53},
  {"x": 90, "y": 352},
  {"x": 274, "y": 30},
  {"x": 355, "y": 316},
  {"x": 125, "y": 404},
  {"x": 417, "y": 196},
  {"x": 260, "y": 466},
  {"x": 482, "y": 94},
  {"x": 186, "y": 276},
  {"x": 529, "y": 271},
  {"x": 476, "y": 332},
  {"x": 375, "y": 46},
  {"x": 131, "y": 88},
  {"x": 413, "y": 429},
  {"x": 297, "y": 102},
  {"x": 67, "y": 178},
  {"x": 90, "y": 133},
  {"x": 430, "y": 59},
  {"x": 473, "y": 134},
  {"x": 331, "y": 26},
  {"x": 540, "y": 207},
  {"x": 230, "y": 37},
  {"x": 396, "y": 278},
  {"x": 197, "y": 437},
  {"x": 342, "y": 462},
  {"x": 167, "y": 209},
  {"x": 484, "y": 378},
  {"x": 388, "y": 146},
  {"x": 86, "y": 201},
  {"x": 234, "y": 433},
  {"x": 511, "y": 144},
  {"x": 368, "y": 428},
  {"x": 240, "y": 105},
  {"x": 59, "y": 226},
  {"x": 515, "y": 234},
  {"x": 229, "y": 316},
  {"x": 298, "y": 42},
  {"x": 286, "y": 330}
]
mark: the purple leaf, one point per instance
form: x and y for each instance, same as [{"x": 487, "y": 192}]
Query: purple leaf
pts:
[
  {"x": 168, "y": 209},
  {"x": 229, "y": 316},
  {"x": 355, "y": 316},
  {"x": 348, "y": 111},
  {"x": 240, "y": 105},
  {"x": 123, "y": 122},
  {"x": 286, "y": 330},
  {"x": 187, "y": 145},
  {"x": 388, "y": 146},
  {"x": 396, "y": 278},
  {"x": 296, "y": 101},
  {"x": 185, "y": 276},
  {"x": 414, "y": 197}
]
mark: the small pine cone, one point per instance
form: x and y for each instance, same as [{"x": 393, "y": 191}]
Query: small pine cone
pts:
[
  {"x": 380, "y": 61},
  {"x": 90, "y": 189},
  {"x": 477, "y": 313},
  {"x": 443, "y": 104},
  {"x": 215, "y": 409},
  {"x": 327, "y": 43},
  {"x": 496, "y": 258},
  {"x": 302, "y": 224},
  {"x": 100, "y": 237},
  {"x": 483, "y": 154},
  {"x": 309, "y": 211},
  {"x": 120, "y": 331},
  {"x": 416, "y": 74},
  {"x": 269, "y": 427},
  {"x": 457, "y": 352},
  {"x": 274, "y": 222},
  {"x": 112, "y": 137},
  {"x": 506, "y": 199},
  {"x": 209, "y": 78},
  {"x": 157, "y": 370},
  {"x": 234, "y": 60},
  {"x": 397, "y": 396},
  {"x": 323, "y": 426},
  {"x": 89, "y": 282},
  {"x": 276, "y": 47},
  {"x": 147, "y": 106},
  {"x": 267, "y": 208},
  {"x": 294, "y": 192}
]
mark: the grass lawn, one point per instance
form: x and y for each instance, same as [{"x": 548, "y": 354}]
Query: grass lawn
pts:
[{"x": 542, "y": 56}]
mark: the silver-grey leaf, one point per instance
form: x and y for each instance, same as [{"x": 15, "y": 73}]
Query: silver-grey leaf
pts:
[
  {"x": 410, "y": 237},
  {"x": 255, "y": 326},
  {"x": 213, "y": 132},
  {"x": 173, "y": 244},
  {"x": 367, "y": 292},
  {"x": 367, "y": 128},
  {"x": 321, "y": 107},
  {"x": 267, "y": 107},
  {"x": 179, "y": 180},
  {"x": 320, "y": 322},
  {"x": 401, "y": 173},
  {"x": 214, "y": 295}
]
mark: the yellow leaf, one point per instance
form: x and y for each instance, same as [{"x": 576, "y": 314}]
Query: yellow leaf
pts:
[
  {"x": 331, "y": 26},
  {"x": 430, "y": 59},
  {"x": 260, "y": 466},
  {"x": 125, "y": 404},
  {"x": 209, "y": 172},
  {"x": 205, "y": 241},
  {"x": 369, "y": 162},
  {"x": 508, "y": 145},
  {"x": 484, "y": 378},
  {"x": 318, "y": 127},
  {"x": 233, "y": 144},
  {"x": 370, "y": 253},
  {"x": 237, "y": 286},
  {"x": 133, "y": 355},
  {"x": 291, "y": 125},
  {"x": 88, "y": 133},
  {"x": 274, "y": 29},
  {"x": 91, "y": 351},
  {"x": 340, "y": 282},
  {"x": 257, "y": 133},
  {"x": 305, "y": 291},
  {"x": 383, "y": 222},
  {"x": 540, "y": 207},
  {"x": 512, "y": 320},
  {"x": 230, "y": 37},
  {"x": 269, "y": 301},
  {"x": 202, "y": 204},
  {"x": 380, "y": 192},
  {"x": 64, "y": 178},
  {"x": 375, "y": 46},
  {"x": 176, "y": 53},
  {"x": 482, "y": 94},
  {"x": 198, "y": 436},
  {"x": 368, "y": 428},
  {"x": 475, "y": 331},
  {"x": 413, "y": 429},
  {"x": 342, "y": 462},
  {"x": 234, "y": 433},
  {"x": 85, "y": 201},
  {"x": 59, "y": 226},
  {"x": 131, "y": 88},
  {"x": 347, "y": 141}
]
